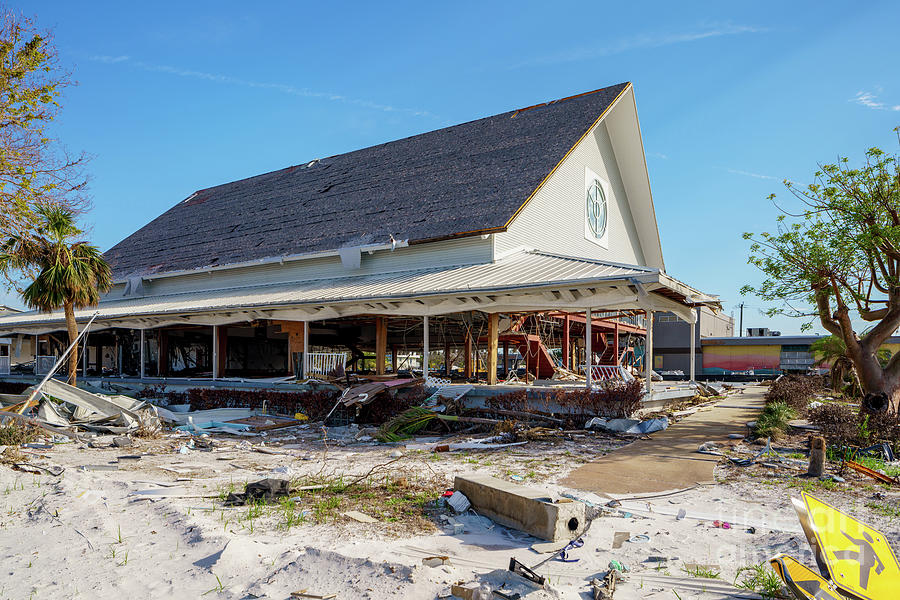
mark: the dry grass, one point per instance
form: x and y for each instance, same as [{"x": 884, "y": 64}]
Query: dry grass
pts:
[
  {"x": 17, "y": 432},
  {"x": 401, "y": 506}
]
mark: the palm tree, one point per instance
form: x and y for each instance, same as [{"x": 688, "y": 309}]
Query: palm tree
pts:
[
  {"x": 832, "y": 350},
  {"x": 67, "y": 273}
]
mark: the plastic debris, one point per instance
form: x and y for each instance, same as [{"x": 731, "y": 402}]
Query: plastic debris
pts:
[
  {"x": 459, "y": 502},
  {"x": 632, "y": 426},
  {"x": 617, "y": 566}
]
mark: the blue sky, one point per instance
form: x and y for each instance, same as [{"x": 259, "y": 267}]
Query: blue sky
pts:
[{"x": 732, "y": 99}]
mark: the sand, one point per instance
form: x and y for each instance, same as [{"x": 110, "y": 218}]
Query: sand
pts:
[{"x": 156, "y": 527}]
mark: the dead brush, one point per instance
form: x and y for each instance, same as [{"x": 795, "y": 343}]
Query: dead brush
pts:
[{"x": 15, "y": 433}]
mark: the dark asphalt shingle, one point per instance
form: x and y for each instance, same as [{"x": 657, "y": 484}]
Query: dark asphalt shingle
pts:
[{"x": 461, "y": 179}]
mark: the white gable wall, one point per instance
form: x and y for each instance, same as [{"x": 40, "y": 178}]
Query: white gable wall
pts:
[{"x": 554, "y": 219}]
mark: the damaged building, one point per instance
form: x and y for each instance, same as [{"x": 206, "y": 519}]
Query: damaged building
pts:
[{"x": 515, "y": 247}]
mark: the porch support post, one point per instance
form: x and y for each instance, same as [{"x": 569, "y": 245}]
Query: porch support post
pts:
[
  {"x": 162, "y": 356},
  {"x": 566, "y": 343},
  {"x": 143, "y": 343},
  {"x": 588, "y": 357},
  {"x": 221, "y": 350},
  {"x": 616, "y": 341},
  {"x": 305, "y": 352},
  {"x": 380, "y": 345},
  {"x": 447, "y": 358},
  {"x": 693, "y": 350},
  {"x": 425, "y": 349},
  {"x": 493, "y": 327},
  {"x": 215, "y": 352},
  {"x": 395, "y": 359},
  {"x": 648, "y": 354},
  {"x": 468, "y": 359}
]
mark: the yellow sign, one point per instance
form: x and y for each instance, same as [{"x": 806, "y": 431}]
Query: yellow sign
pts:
[
  {"x": 859, "y": 557},
  {"x": 803, "y": 583}
]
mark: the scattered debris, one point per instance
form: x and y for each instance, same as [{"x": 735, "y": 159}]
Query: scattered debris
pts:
[
  {"x": 360, "y": 517},
  {"x": 632, "y": 426},
  {"x": 872, "y": 473},
  {"x": 265, "y": 489}
]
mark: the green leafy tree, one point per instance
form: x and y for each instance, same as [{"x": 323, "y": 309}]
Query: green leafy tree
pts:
[
  {"x": 837, "y": 259},
  {"x": 34, "y": 168},
  {"x": 66, "y": 273},
  {"x": 831, "y": 351}
]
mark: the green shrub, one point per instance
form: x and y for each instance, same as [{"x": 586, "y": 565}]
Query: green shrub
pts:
[{"x": 773, "y": 421}]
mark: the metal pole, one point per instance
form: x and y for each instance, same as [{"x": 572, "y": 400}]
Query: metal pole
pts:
[
  {"x": 425, "y": 347},
  {"x": 59, "y": 362},
  {"x": 215, "y": 353},
  {"x": 143, "y": 341},
  {"x": 84, "y": 357},
  {"x": 648, "y": 354},
  {"x": 588, "y": 359},
  {"x": 693, "y": 349}
]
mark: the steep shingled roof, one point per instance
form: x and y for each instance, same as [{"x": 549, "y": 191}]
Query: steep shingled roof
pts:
[{"x": 456, "y": 181}]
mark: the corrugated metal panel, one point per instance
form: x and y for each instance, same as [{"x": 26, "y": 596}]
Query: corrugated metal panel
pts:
[
  {"x": 554, "y": 219},
  {"x": 521, "y": 270}
]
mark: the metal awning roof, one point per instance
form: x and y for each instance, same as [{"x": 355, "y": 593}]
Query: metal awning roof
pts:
[{"x": 526, "y": 280}]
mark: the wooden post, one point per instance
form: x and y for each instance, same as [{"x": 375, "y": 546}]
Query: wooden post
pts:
[
  {"x": 816, "y": 457},
  {"x": 395, "y": 359},
  {"x": 162, "y": 358},
  {"x": 493, "y": 327},
  {"x": 304, "y": 368},
  {"x": 221, "y": 358},
  {"x": 143, "y": 343},
  {"x": 566, "y": 343},
  {"x": 588, "y": 373},
  {"x": 616, "y": 341},
  {"x": 380, "y": 344}
]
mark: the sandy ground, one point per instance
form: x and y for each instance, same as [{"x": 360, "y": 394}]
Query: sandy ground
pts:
[{"x": 157, "y": 528}]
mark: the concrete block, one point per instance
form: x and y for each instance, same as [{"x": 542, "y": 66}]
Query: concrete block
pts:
[{"x": 527, "y": 509}]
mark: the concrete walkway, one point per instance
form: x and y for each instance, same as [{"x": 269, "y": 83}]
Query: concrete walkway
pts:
[{"x": 669, "y": 460}]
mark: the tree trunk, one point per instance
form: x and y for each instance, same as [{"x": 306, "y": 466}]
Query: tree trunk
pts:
[
  {"x": 875, "y": 379},
  {"x": 72, "y": 327}
]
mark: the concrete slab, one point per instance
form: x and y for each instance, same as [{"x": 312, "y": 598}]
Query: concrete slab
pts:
[
  {"x": 669, "y": 460},
  {"x": 528, "y": 509}
]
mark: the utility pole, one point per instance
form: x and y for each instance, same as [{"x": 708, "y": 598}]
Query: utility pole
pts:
[{"x": 741, "y": 330}]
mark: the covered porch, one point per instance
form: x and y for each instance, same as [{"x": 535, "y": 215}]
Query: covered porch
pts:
[{"x": 528, "y": 319}]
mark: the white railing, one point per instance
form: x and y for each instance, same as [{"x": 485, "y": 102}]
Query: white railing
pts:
[
  {"x": 4, "y": 365},
  {"x": 608, "y": 372},
  {"x": 44, "y": 364},
  {"x": 325, "y": 363}
]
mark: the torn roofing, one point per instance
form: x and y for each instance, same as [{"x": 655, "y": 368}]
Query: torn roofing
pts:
[{"x": 461, "y": 180}]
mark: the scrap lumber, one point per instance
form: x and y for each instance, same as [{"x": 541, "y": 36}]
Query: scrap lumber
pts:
[
  {"x": 520, "y": 414},
  {"x": 872, "y": 473}
]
